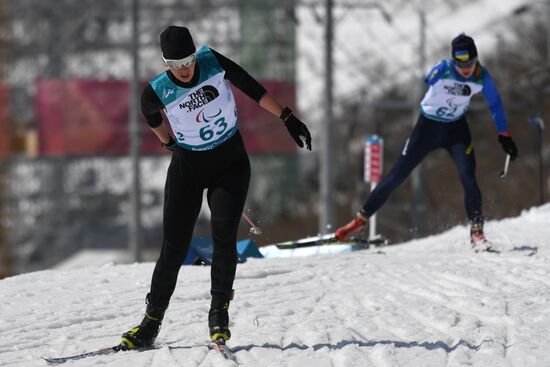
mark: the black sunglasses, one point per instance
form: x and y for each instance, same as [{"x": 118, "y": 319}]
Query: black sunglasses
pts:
[{"x": 465, "y": 64}]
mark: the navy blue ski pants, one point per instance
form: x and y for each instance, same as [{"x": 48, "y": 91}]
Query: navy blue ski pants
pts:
[{"x": 427, "y": 136}]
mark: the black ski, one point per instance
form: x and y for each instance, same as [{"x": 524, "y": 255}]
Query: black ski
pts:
[
  {"x": 329, "y": 239},
  {"x": 524, "y": 250},
  {"x": 99, "y": 352},
  {"x": 219, "y": 346},
  {"x": 527, "y": 250}
]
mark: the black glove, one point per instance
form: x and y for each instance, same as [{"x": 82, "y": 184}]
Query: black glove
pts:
[
  {"x": 296, "y": 128},
  {"x": 170, "y": 145},
  {"x": 508, "y": 146}
]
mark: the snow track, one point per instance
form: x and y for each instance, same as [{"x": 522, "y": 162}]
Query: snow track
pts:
[{"x": 429, "y": 302}]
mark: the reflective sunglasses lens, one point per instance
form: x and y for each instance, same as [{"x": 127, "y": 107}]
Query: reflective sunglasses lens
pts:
[
  {"x": 176, "y": 64},
  {"x": 188, "y": 61}
]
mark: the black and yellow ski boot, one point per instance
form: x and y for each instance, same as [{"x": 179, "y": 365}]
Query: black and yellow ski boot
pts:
[
  {"x": 218, "y": 317},
  {"x": 144, "y": 335}
]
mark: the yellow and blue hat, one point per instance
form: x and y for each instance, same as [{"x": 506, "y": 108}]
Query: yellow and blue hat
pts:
[{"x": 464, "y": 51}]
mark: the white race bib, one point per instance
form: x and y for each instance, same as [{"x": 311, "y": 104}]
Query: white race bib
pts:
[{"x": 205, "y": 115}]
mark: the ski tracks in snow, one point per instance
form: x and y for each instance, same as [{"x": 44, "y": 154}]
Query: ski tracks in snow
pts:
[
  {"x": 401, "y": 308},
  {"x": 429, "y": 304}
]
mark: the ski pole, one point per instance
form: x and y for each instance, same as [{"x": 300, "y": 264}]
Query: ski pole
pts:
[
  {"x": 254, "y": 229},
  {"x": 504, "y": 172}
]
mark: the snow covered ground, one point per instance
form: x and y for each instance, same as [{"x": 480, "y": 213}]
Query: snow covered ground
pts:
[{"x": 428, "y": 302}]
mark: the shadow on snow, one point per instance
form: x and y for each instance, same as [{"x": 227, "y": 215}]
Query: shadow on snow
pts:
[{"x": 344, "y": 343}]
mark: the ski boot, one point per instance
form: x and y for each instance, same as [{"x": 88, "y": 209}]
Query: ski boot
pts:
[
  {"x": 144, "y": 335},
  {"x": 477, "y": 238},
  {"x": 218, "y": 317},
  {"x": 354, "y": 227}
]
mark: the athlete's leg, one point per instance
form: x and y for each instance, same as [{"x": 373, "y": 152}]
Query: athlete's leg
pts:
[
  {"x": 464, "y": 158},
  {"x": 182, "y": 204},
  {"x": 421, "y": 142},
  {"x": 226, "y": 199}
]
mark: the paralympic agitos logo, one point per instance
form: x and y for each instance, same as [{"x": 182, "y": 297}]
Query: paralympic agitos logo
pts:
[
  {"x": 202, "y": 116},
  {"x": 199, "y": 98}
]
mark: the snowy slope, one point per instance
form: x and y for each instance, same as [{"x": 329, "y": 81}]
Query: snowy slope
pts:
[{"x": 429, "y": 302}]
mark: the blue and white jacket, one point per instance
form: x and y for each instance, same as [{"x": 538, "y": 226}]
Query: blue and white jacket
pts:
[{"x": 449, "y": 95}]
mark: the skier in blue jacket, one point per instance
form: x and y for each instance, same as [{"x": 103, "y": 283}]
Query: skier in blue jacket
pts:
[{"x": 442, "y": 124}]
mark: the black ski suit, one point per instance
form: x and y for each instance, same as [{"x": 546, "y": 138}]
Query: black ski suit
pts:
[{"x": 224, "y": 171}]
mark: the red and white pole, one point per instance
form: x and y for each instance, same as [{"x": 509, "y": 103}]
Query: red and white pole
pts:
[{"x": 374, "y": 159}]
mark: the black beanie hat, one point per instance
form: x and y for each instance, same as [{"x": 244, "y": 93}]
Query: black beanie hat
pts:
[
  {"x": 176, "y": 43},
  {"x": 463, "y": 49}
]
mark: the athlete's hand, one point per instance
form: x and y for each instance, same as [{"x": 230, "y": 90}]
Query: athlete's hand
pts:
[
  {"x": 170, "y": 145},
  {"x": 296, "y": 128},
  {"x": 508, "y": 145}
]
